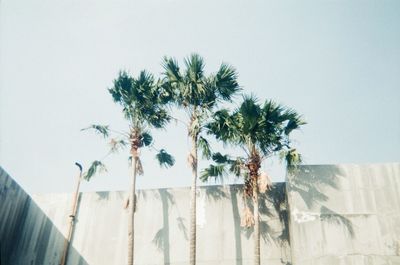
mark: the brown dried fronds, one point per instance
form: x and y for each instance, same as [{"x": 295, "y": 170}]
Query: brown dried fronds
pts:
[
  {"x": 126, "y": 203},
  {"x": 264, "y": 182},
  {"x": 139, "y": 167},
  {"x": 248, "y": 187},
  {"x": 135, "y": 152},
  {"x": 116, "y": 144},
  {"x": 135, "y": 143},
  {"x": 191, "y": 160},
  {"x": 247, "y": 219}
]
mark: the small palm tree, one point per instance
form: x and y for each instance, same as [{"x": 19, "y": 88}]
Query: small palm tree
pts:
[
  {"x": 198, "y": 95},
  {"x": 143, "y": 101},
  {"x": 261, "y": 131}
]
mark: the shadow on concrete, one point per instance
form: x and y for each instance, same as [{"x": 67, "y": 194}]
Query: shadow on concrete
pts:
[
  {"x": 268, "y": 202},
  {"x": 216, "y": 193},
  {"x": 27, "y": 235},
  {"x": 310, "y": 182},
  {"x": 274, "y": 200},
  {"x": 161, "y": 238},
  {"x": 272, "y": 204},
  {"x": 234, "y": 191},
  {"x": 103, "y": 195}
]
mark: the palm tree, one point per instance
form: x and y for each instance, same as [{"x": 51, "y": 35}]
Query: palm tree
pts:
[
  {"x": 261, "y": 131},
  {"x": 198, "y": 95},
  {"x": 143, "y": 101}
]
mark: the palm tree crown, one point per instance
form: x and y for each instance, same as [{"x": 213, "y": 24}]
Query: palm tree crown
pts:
[
  {"x": 141, "y": 98},
  {"x": 144, "y": 104},
  {"x": 193, "y": 88},
  {"x": 260, "y": 130}
]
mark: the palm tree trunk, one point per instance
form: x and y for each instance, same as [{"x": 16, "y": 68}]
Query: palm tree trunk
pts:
[
  {"x": 132, "y": 204},
  {"x": 254, "y": 166},
  {"x": 193, "y": 203},
  {"x": 72, "y": 217},
  {"x": 256, "y": 226}
]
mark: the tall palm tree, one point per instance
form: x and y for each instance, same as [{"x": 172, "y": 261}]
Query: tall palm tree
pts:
[
  {"x": 198, "y": 94},
  {"x": 261, "y": 131},
  {"x": 143, "y": 101}
]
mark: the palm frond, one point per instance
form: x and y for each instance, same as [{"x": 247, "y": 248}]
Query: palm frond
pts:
[
  {"x": 194, "y": 67},
  {"x": 164, "y": 159},
  {"x": 122, "y": 88},
  {"x": 171, "y": 69},
  {"x": 250, "y": 112},
  {"x": 96, "y": 167},
  {"x": 139, "y": 167},
  {"x": 165, "y": 92},
  {"x": 145, "y": 80},
  {"x": 100, "y": 129},
  {"x": 292, "y": 158},
  {"x": 117, "y": 144},
  {"x": 158, "y": 118},
  {"x": 214, "y": 171},
  {"x": 226, "y": 81},
  {"x": 222, "y": 126},
  {"x": 140, "y": 99},
  {"x": 220, "y": 158},
  {"x": 237, "y": 166},
  {"x": 295, "y": 121},
  {"x": 145, "y": 139},
  {"x": 192, "y": 89},
  {"x": 204, "y": 147}
]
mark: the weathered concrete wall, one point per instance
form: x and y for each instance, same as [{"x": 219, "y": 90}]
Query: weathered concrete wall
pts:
[
  {"x": 161, "y": 227},
  {"x": 345, "y": 214},
  {"x": 13, "y": 201},
  {"x": 27, "y": 235},
  {"x": 162, "y": 224}
]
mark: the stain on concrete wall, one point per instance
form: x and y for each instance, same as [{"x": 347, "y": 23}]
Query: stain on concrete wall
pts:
[{"x": 345, "y": 214}]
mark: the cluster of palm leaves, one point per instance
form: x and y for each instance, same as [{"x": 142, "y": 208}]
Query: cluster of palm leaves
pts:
[{"x": 260, "y": 130}]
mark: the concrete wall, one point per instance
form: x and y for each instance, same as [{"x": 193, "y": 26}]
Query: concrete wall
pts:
[
  {"x": 162, "y": 226},
  {"x": 27, "y": 235},
  {"x": 13, "y": 201},
  {"x": 345, "y": 214}
]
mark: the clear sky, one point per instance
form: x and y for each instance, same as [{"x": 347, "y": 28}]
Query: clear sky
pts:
[{"x": 336, "y": 62}]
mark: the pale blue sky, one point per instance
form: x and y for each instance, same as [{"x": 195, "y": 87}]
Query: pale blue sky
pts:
[{"x": 336, "y": 62}]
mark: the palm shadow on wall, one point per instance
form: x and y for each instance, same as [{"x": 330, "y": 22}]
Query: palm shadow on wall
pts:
[
  {"x": 310, "y": 183},
  {"x": 273, "y": 205},
  {"x": 161, "y": 238},
  {"x": 274, "y": 200}
]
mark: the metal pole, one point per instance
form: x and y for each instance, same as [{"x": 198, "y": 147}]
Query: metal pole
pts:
[{"x": 72, "y": 216}]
